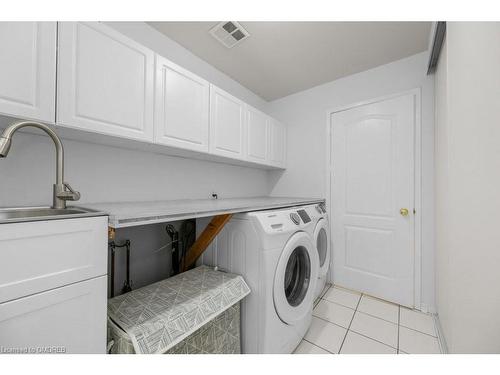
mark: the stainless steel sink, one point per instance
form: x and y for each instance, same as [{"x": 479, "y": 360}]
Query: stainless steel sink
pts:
[{"x": 9, "y": 215}]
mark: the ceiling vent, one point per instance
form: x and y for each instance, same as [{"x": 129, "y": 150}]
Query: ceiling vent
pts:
[{"x": 229, "y": 33}]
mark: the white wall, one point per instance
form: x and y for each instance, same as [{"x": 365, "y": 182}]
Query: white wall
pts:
[
  {"x": 104, "y": 173},
  {"x": 305, "y": 114},
  {"x": 468, "y": 186}
]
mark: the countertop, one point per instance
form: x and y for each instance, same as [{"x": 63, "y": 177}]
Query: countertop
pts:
[{"x": 127, "y": 214}]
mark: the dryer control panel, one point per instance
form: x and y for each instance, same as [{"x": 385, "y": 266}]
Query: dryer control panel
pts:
[
  {"x": 304, "y": 216},
  {"x": 286, "y": 220}
]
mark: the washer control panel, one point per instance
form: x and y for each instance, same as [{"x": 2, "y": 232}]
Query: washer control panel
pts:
[
  {"x": 285, "y": 220},
  {"x": 304, "y": 216},
  {"x": 294, "y": 216},
  {"x": 321, "y": 208}
]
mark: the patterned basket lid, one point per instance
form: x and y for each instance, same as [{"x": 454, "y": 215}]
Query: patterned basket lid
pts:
[{"x": 160, "y": 315}]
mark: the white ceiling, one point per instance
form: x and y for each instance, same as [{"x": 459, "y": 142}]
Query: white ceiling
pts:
[{"x": 281, "y": 58}]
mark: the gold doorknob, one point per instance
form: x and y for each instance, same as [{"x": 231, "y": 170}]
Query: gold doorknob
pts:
[{"x": 403, "y": 212}]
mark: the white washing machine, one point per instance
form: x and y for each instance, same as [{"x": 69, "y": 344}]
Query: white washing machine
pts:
[
  {"x": 320, "y": 235},
  {"x": 273, "y": 251}
]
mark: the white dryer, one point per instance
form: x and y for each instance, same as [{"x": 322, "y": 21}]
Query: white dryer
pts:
[
  {"x": 273, "y": 251},
  {"x": 320, "y": 235}
]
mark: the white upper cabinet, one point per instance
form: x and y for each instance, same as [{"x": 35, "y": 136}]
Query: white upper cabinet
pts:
[
  {"x": 227, "y": 124},
  {"x": 105, "y": 81},
  {"x": 277, "y": 142},
  {"x": 257, "y": 136},
  {"x": 28, "y": 69},
  {"x": 111, "y": 85},
  {"x": 181, "y": 107}
]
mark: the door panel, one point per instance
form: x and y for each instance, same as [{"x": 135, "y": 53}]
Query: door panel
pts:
[
  {"x": 378, "y": 242},
  {"x": 105, "y": 81},
  {"x": 37, "y": 256},
  {"x": 227, "y": 121},
  {"x": 373, "y": 164},
  {"x": 71, "y": 319},
  {"x": 181, "y": 110},
  {"x": 277, "y": 135},
  {"x": 368, "y": 145},
  {"x": 28, "y": 69},
  {"x": 257, "y": 135}
]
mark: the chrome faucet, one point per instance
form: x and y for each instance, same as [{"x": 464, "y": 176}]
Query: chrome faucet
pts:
[{"x": 62, "y": 190}]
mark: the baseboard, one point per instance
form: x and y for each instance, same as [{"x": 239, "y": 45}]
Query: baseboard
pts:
[{"x": 439, "y": 329}]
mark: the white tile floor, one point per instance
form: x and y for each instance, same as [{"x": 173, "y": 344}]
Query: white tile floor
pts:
[{"x": 348, "y": 322}]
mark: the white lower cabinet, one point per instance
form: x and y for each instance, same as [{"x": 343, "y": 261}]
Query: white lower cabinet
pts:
[
  {"x": 28, "y": 70},
  {"x": 42, "y": 255},
  {"x": 69, "y": 319},
  {"x": 105, "y": 82},
  {"x": 53, "y": 285}
]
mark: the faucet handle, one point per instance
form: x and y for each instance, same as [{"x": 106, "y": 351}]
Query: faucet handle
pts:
[{"x": 70, "y": 194}]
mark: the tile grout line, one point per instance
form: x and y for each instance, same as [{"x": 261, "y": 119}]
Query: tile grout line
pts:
[
  {"x": 338, "y": 303},
  {"x": 326, "y": 291},
  {"x": 377, "y": 317},
  {"x": 320, "y": 298},
  {"x": 371, "y": 338},
  {"x": 416, "y": 330},
  {"x": 348, "y": 328},
  {"x": 327, "y": 321},
  {"x": 388, "y": 321},
  {"x": 316, "y": 345},
  {"x": 399, "y": 325},
  {"x": 366, "y": 313},
  {"x": 373, "y": 316},
  {"x": 356, "y": 310}
]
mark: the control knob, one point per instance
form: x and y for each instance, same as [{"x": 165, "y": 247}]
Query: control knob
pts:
[{"x": 295, "y": 218}]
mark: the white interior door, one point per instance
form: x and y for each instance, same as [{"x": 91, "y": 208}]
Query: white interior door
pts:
[{"x": 372, "y": 186}]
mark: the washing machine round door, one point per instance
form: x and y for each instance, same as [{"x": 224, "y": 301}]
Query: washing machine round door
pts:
[
  {"x": 295, "y": 279},
  {"x": 322, "y": 241}
]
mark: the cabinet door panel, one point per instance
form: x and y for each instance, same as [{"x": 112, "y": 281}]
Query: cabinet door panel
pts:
[
  {"x": 257, "y": 135},
  {"x": 181, "y": 109},
  {"x": 277, "y": 144},
  {"x": 28, "y": 69},
  {"x": 227, "y": 121},
  {"x": 36, "y": 256},
  {"x": 71, "y": 318},
  {"x": 105, "y": 81}
]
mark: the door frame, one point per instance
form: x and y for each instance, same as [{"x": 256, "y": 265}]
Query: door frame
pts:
[{"x": 417, "y": 180}]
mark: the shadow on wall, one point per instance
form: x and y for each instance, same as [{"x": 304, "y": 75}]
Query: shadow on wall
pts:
[
  {"x": 151, "y": 257},
  {"x": 273, "y": 177}
]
